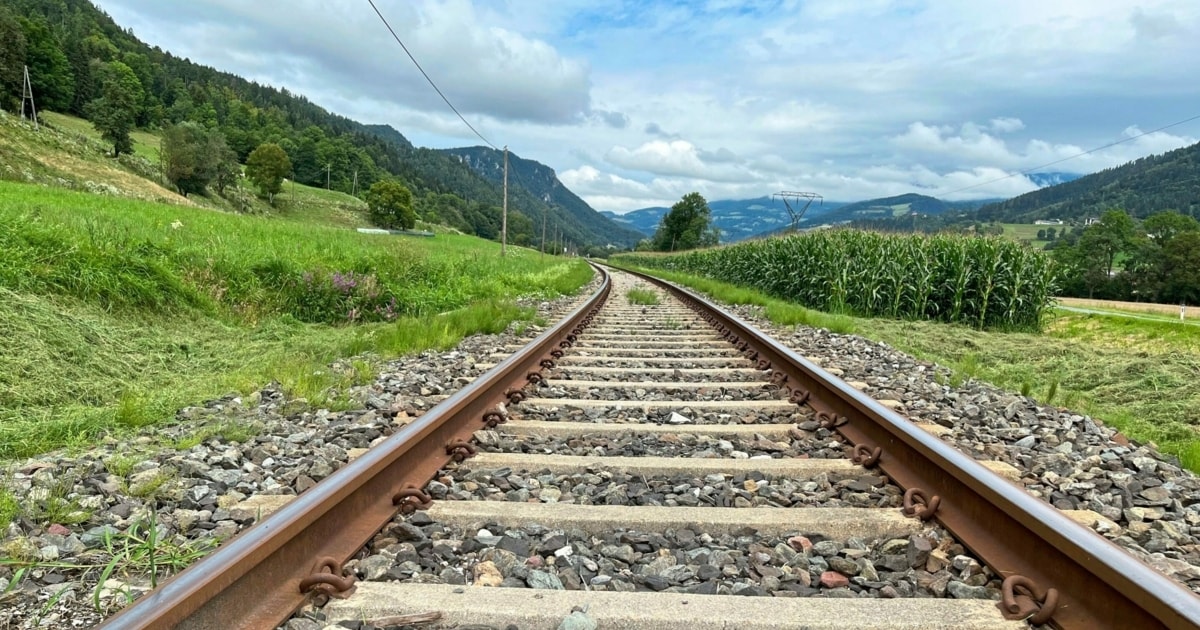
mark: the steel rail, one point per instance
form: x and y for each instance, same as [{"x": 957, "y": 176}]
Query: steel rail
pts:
[
  {"x": 1097, "y": 584},
  {"x": 256, "y": 579}
]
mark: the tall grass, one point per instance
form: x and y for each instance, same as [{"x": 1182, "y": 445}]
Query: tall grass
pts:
[
  {"x": 130, "y": 254},
  {"x": 116, "y": 313},
  {"x": 980, "y": 282}
]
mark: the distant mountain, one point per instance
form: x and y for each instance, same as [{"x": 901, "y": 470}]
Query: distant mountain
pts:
[
  {"x": 1142, "y": 187},
  {"x": 891, "y": 207},
  {"x": 737, "y": 219},
  {"x": 534, "y": 188}
]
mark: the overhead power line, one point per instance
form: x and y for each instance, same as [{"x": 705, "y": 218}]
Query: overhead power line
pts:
[
  {"x": 427, "y": 77},
  {"x": 1072, "y": 157}
]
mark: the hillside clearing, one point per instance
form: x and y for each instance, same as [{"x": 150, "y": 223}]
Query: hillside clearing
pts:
[{"x": 68, "y": 153}]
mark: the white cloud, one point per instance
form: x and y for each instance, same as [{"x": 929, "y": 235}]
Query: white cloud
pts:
[
  {"x": 834, "y": 96},
  {"x": 970, "y": 144},
  {"x": 682, "y": 158},
  {"x": 1006, "y": 125},
  {"x": 341, "y": 47}
]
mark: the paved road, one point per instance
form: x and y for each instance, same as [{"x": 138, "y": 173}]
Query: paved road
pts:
[{"x": 1163, "y": 320}]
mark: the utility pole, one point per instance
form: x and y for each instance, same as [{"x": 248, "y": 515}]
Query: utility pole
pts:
[
  {"x": 354, "y": 189},
  {"x": 27, "y": 95},
  {"x": 504, "y": 212},
  {"x": 328, "y": 167},
  {"x": 543, "y": 246}
]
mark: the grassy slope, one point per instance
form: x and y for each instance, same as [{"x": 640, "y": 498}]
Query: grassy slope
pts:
[
  {"x": 1028, "y": 232},
  {"x": 68, "y": 153},
  {"x": 114, "y": 313},
  {"x": 1141, "y": 377}
]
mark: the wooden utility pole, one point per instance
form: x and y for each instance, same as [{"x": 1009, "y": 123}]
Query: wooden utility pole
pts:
[
  {"x": 27, "y": 96},
  {"x": 354, "y": 189},
  {"x": 504, "y": 211},
  {"x": 328, "y": 168}
]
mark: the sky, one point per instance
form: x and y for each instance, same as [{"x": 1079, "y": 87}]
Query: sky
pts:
[{"x": 635, "y": 103}]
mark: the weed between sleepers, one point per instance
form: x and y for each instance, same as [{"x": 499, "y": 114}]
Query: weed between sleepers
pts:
[{"x": 644, "y": 297}]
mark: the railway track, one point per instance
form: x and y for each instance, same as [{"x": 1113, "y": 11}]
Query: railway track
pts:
[{"x": 647, "y": 463}]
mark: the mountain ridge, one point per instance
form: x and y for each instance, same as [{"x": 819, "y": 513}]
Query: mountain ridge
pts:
[{"x": 1169, "y": 180}]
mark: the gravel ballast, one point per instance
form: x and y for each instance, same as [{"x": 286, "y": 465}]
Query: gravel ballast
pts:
[
  {"x": 72, "y": 502},
  {"x": 1150, "y": 505},
  {"x": 817, "y": 443},
  {"x": 930, "y": 564}
]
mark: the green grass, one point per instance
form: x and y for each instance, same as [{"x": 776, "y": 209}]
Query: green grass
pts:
[
  {"x": 116, "y": 313},
  {"x": 1141, "y": 377},
  {"x": 145, "y": 144},
  {"x": 1028, "y": 232},
  {"x": 68, "y": 153},
  {"x": 642, "y": 296}
]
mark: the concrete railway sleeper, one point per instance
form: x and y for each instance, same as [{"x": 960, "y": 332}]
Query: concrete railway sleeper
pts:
[{"x": 638, "y": 465}]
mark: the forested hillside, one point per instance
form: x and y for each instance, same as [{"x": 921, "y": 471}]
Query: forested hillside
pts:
[
  {"x": 1142, "y": 187},
  {"x": 81, "y": 61}
]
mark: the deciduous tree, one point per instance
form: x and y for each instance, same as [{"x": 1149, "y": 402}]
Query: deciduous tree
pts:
[
  {"x": 1163, "y": 226},
  {"x": 194, "y": 157},
  {"x": 12, "y": 59},
  {"x": 49, "y": 69},
  {"x": 1113, "y": 234},
  {"x": 686, "y": 226},
  {"x": 1182, "y": 256},
  {"x": 266, "y": 167},
  {"x": 115, "y": 112},
  {"x": 391, "y": 205}
]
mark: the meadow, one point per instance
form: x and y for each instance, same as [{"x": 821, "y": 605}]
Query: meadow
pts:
[{"x": 114, "y": 313}]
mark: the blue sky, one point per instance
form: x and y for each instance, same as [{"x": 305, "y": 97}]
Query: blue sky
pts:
[{"x": 636, "y": 103}]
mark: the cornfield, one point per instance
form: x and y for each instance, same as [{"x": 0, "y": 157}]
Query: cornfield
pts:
[{"x": 980, "y": 282}]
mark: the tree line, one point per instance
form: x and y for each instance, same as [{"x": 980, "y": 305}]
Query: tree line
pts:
[
  {"x": 82, "y": 63},
  {"x": 1156, "y": 259}
]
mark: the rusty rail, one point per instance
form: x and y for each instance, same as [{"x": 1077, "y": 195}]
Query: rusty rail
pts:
[
  {"x": 260, "y": 577},
  {"x": 1056, "y": 571}
]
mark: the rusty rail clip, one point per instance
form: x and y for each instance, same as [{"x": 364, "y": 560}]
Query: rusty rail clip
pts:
[
  {"x": 919, "y": 504},
  {"x": 831, "y": 420},
  {"x": 514, "y": 396},
  {"x": 799, "y": 396},
  {"x": 410, "y": 499},
  {"x": 866, "y": 456},
  {"x": 458, "y": 450},
  {"x": 493, "y": 418},
  {"x": 1034, "y": 603},
  {"x": 327, "y": 579}
]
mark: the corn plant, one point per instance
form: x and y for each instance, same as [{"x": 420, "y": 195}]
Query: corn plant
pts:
[{"x": 980, "y": 282}]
